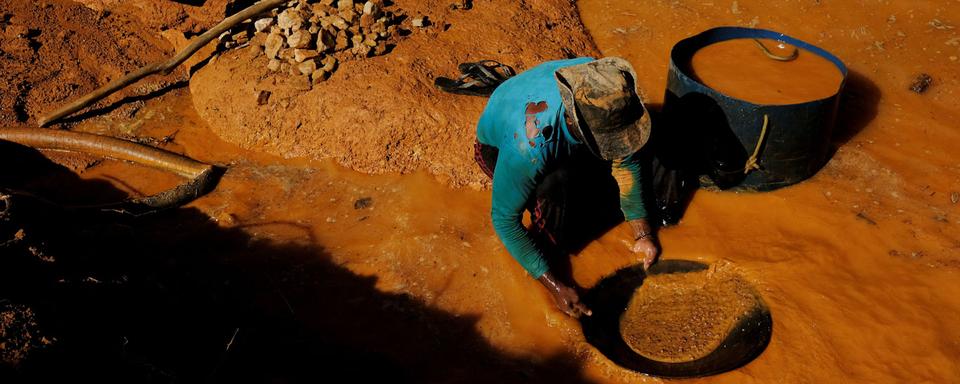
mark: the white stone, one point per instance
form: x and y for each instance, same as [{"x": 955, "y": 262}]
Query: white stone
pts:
[
  {"x": 263, "y": 24},
  {"x": 325, "y": 40},
  {"x": 290, "y": 19},
  {"x": 301, "y": 55},
  {"x": 307, "y": 67},
  {"x": 299, "y": 39},
  {"x": 273, "y": 45},
  {"x": 371, "y": 8},
  {"x": 274, "y": 65}
]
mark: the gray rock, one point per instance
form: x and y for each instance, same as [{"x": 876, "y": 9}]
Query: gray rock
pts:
[
  {"x": 274, "y": 65},
  {"x": 301, "y": 55},
  {"x": 420, "y": 22},
  {"x": 240, "y": 37},
  {"x": 357, "y": 40},
  {"x": 371, "y": 8},
  {"x": 254, "y": 51},
  {"x": 263, "y": 97},
  {"x": 343, "y": 42},
  {"x": 380, "y": 49},
  {"x": 329, "y": 63},
  {"x": 348, "y": 15},
  {"x": 378, "y": 28},
  {"x": 307, "y": 67},
  {"x": 338, "y": 22},
  {"x": 366, "y": 21},
  {"x": 273, "y": 45},
  {"x": 325, "y": 40},
  {"x": 319, "y": 76},
  {"x": 370, "y": 40},
  {"x": 263, "y": 24},
  {"x": 321, "y": 10},
  {"x": 362, "y": 50},
  {"x": 299, "y": 39},
  {"x": 290, "y": 19},
  {"x": 286, "y": 54}
]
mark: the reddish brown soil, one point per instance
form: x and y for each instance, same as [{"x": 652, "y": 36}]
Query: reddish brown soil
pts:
[
  {"x": 161, "y": 15},
  {"x": 858, "y": 264},
  {"x": 55, "y": 50},
  {"x": 383, "y": 114}
]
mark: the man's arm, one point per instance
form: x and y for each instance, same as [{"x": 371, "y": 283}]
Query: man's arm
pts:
[
  {"x": 628, "y": 173},
  {"x": 513, "y": 185}
]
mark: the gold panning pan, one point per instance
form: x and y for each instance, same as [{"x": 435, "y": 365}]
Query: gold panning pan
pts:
[{"x": 683, "y": 319}]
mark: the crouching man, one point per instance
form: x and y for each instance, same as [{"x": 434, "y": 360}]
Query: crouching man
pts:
[{"x": 547, "y": 135}]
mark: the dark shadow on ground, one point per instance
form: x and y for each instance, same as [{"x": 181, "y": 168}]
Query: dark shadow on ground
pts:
[
  {"x": 858, "y": 107},
  {"x": 124, "y": 102},
  {"x": 173, "y": 297}
]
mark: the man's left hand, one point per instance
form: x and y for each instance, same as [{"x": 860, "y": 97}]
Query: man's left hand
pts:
[
  {"x": 648, "y": 249},
  {"x": 644, "y": 244}
]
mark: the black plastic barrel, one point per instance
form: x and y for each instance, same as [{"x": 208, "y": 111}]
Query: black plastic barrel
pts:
[{"x": 721, "y": 132}]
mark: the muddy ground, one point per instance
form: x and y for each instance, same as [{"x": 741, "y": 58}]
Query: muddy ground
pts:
[{"x": 280, "y": 275}]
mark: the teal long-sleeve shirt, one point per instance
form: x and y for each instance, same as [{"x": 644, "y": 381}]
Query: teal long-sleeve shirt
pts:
[{"x": 524, "y": 120}]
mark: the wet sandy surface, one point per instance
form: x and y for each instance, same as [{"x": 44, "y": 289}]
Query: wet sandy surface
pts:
[{"x": 858, "y": 265}]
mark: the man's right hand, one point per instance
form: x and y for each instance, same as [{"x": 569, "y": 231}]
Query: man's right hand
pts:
[{"x": 565, "y": 297}]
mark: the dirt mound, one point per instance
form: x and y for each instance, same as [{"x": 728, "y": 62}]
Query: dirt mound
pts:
[
  {"x": 682, "y": 317},
  {"x": 383, "y": 114},
  {"x": 166, "y": 14},
  {"x": 53, "y": 51}
]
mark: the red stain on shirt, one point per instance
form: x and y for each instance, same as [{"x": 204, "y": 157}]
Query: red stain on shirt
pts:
[{"x": 531, "y": 119}]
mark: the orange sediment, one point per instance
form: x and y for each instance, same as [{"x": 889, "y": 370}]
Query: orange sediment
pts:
[{"x": 858, "y": 265}]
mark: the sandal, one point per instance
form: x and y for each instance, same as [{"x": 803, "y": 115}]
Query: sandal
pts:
[
  {"x": 477, "y": 79},
  {"x": 491, "y": 71}
]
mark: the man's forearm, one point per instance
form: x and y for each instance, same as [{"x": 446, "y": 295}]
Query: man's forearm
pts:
[
  {"x": 641, "y": 229},
  {"x": 550, "y": 282}
]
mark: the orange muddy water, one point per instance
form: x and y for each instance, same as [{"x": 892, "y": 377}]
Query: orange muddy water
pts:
[
  {"x": 740, "y": 69},
  {"x": 858, "y": 265}
]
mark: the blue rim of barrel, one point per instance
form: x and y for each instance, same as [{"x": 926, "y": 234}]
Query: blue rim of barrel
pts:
[{"x": 800, "y": 154}]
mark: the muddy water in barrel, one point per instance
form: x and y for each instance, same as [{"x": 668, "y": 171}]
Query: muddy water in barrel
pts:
[{"x": 740, "y": 68}]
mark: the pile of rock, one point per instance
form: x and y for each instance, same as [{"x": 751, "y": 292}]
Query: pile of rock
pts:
[{"x": 304, "y": 37}]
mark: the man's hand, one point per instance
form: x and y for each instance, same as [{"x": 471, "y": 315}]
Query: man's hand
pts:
[
  {"x": 648, "y": 249},
  {"x": 644, "y": 242},
  {"x": 566, "y": 298}
]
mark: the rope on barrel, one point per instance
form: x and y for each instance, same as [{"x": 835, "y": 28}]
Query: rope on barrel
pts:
[{"x": 752, "y": 164}]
